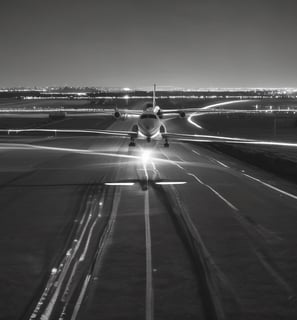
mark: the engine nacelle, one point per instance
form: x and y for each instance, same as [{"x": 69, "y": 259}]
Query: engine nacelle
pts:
[
  {"x": 117, "y": 114},
  {"x": 182, "y": 114},
  {"x": 159, "y": 113},
  {"x": 135, "y": 129}
]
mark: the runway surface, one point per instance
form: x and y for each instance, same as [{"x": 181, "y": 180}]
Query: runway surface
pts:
[{"x": 219, "y": 245}]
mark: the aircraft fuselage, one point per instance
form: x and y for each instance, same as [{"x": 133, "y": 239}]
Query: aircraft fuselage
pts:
[{"x": 149, "y": 124}]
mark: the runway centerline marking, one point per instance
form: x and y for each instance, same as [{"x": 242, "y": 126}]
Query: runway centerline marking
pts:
[
  {"x": 149, "y": 307},
  {"x": 272, "y": 187},
  {"x": 214, "y": 191}
]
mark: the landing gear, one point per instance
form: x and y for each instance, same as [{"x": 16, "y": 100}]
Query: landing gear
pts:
[
  {"x": 148, "y": 139},
  {"x": 132, "y": 142},
  {"x": 166, "y": 144}
]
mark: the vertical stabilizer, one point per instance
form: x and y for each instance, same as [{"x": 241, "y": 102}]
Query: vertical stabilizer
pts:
[{"x": 154, "y": 97}]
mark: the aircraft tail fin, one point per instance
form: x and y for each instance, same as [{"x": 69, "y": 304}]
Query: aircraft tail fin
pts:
[{"x": 154, "y": 97}]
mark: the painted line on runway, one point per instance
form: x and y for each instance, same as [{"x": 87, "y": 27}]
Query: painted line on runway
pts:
[
  {"x": 198, "y": 154},
  {"x": 214, "y": 191},
  {"x": 80, "y": 298},
  {"x": 180, "y": 158},
  {"x": 221, "y": 163},
  {"x": 272, "y": 187},
  {"x": 149, "y": 303},
  {"x": 173, "y": 162},
  {"x": 104, "y": 240}
]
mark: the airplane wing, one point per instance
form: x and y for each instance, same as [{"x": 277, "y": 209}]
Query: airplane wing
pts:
[{"x": 71, "y": 131}]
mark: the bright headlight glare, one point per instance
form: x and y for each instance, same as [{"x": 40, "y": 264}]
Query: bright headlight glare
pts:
[{"x": 145, "y": 155}]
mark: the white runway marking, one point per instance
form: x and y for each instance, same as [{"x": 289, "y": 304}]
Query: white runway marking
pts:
[
  {"x": 81, "y": 297},
  {"x": 221, "y": 163},
  {"x": 214, "y": 191},
  {"x": 149, "y": 307},
  {"x": 272, "y": 187},
  {"x": 198, "y": 154}
]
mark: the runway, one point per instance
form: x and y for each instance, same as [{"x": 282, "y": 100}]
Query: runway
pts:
[{"x": 218, "y": 245}]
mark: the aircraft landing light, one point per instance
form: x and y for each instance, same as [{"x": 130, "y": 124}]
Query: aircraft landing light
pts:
[
  {"x": 146, "y": 155},
  {"x": 119, "y": 183},
  {"x": 170, "y": 182}
]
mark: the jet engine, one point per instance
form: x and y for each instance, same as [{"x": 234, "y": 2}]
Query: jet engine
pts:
[
  {"x": 182, "y": 114},
  {"x": 117, "y": 114}
]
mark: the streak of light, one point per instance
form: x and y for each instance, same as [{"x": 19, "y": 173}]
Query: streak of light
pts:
[
  {"x": 5, "y": 146},
  {"x": 72, "y": 150},
  {"x": 192, "y": 122},
  {"x": 220, "y": 104},
  {"x": 119, "y": 183},
  {"x": 170, "y": 182},
  {"x": 106, "y": 132},
  {"x": 183, "y": 135},
  {"x": 272, "y": 187},
  {"x": 242, "y": 141}
]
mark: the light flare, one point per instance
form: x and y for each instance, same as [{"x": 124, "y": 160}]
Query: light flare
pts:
[{"x": 145, "y": 156}]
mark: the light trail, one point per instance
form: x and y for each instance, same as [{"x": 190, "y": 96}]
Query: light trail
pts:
[
  {"x": 119, "y": 183},
  {"x": 189, "y": 119},
  {"x": 55, "y": 131},
  {"x": 197, "y": 113},
  {"x": 220, "y": 104},
  {"x": 170, "y": 182},
  {"x": 242, "y": 141}
]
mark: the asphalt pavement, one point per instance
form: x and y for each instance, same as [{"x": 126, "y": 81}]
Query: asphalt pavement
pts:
[{"x": 216, "y": 242}]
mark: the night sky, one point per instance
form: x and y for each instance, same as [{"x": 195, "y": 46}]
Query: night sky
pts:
[{"x": 134, "y": 43}]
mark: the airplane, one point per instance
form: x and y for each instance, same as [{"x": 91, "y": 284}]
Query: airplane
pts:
[{"x": 150, "y": 126}]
